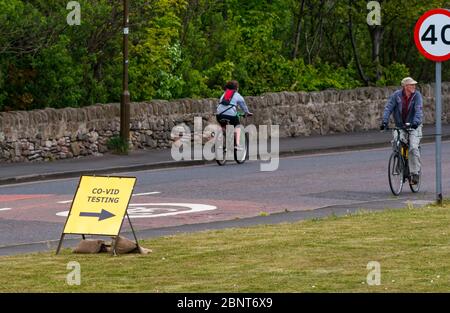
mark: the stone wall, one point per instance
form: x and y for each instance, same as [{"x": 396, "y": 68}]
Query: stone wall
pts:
[{"x": 65, "y": 133}]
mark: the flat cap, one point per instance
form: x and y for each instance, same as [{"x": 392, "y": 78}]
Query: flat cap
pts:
[{"x": 408, "y": 81}]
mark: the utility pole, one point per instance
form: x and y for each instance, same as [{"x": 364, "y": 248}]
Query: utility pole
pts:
[{"x": 125, "y": 99}]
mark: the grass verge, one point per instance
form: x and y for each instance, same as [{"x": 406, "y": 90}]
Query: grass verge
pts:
[{"x": 325, "y": 255}]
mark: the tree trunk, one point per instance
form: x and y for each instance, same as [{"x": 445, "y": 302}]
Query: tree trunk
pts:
[
  {"x": 298, "y": 31},
  {"x": 191, "y": 9},
  {"x": 376, "y": 35},
  {"x": 355, "y": 51},
  {"x": 316, "y": 30}
]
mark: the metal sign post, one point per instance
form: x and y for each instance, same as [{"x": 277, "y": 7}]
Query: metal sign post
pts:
[
  {"x": 438, "y": 93},
  {"x": 432, "y": 38}
]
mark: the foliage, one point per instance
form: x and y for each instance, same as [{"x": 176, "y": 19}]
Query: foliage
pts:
[
  {"x": 393, "y": 74},
  {"x": 58, "y": 77},
  {"x": 190, "y": 48},
  {"x": 118, "y": 145},
  {"x": 157, "y": 55}
]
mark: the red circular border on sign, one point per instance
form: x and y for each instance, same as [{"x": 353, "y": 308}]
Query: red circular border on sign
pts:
[{"x": 416, "y": 35}]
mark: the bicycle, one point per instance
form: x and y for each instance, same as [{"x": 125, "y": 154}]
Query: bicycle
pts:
[
  {"x": 240, "y": 155},
  {"x": 398, "y": 167}
]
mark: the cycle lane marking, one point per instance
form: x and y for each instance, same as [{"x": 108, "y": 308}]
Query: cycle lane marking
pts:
[{"x": 152, "y": 210}]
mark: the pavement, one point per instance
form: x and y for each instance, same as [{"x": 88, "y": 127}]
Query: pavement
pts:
[{"x": 11, "y": 173}]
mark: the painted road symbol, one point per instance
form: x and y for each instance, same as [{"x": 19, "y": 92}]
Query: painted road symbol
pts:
[
  {"x": 153, "y": 210},
  {"x": 150, "y": 210}
]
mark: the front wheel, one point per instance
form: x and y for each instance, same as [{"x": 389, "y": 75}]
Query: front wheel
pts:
[
  {"x": 415, "y": 188},
  {"x": 395, "y": 173}
]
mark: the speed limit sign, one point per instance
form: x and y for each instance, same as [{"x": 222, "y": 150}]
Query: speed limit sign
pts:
[{"x": 432, "y": 35}]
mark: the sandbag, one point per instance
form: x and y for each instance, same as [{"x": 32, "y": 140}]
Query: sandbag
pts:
[
  {"x": 89, "y": 246},
  {"x": 123, "y": 246}
]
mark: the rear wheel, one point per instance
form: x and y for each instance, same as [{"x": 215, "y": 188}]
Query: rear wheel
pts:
[
  {"x": 395, "y": 173},
  {"x": 241, "y": 155},
  {"x": 221, "y": 159}
]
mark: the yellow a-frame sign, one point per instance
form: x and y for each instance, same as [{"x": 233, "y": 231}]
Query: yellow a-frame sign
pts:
[{"x": 99, "y": 207}]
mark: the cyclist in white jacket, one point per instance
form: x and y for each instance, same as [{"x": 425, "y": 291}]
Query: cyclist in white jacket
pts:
[{"x": 227, "y": 108}]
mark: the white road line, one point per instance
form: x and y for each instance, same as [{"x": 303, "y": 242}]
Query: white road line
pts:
[
  {"x": 351, "y": 150},
  {"x": 134, "y": 195},
  {"x": 64, "y": 202},
  {"x": 35, "y": 183},
  {"x": 5, "y": 209},
  {"x": 146, "y": 193}
]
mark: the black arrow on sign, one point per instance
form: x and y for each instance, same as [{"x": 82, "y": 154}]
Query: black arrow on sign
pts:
[{"x": 103, "y": 215}]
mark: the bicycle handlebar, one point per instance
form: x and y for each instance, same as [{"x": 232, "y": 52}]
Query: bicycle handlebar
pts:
[
  {"x": 399, "y": 128},
  {"x": 243, "y": 114}
]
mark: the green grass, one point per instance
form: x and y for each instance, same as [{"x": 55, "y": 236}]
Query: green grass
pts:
[{"x": 322, "y": 255}]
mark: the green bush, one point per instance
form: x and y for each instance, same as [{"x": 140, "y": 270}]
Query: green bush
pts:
[
  {"x": 118, "y": 145},
  {"x": 189, "y": 49},
  {"x": 393, "y": 74},
  {"x": 322, "y": 76},
  {"x": 58, "y": 77}
]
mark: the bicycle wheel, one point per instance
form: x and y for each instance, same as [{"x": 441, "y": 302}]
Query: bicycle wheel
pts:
[
  {"x": 395, "y": 173},
  {"x": 241, "y": 155},
  {"x": 415, "y": 188},
  {"x": 220, "y": 150}
]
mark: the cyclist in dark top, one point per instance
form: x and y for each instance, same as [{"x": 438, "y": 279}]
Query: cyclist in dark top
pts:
[{"x": 406, "y": 106}]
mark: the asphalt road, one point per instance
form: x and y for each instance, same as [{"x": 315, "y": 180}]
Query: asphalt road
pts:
[{"x": 166, "y": 201}]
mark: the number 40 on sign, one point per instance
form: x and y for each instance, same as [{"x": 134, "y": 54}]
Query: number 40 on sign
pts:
[{"x": 432, "y": 35}]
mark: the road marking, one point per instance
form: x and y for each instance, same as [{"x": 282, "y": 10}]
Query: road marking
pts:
[
  {"x": 142, "y": 210},
  {"x": 349, "y": 151},
  {"x": 19, "y": 197},
  {"x": 146, "y": 193},
  {"x": 64, "y": 202},
  {"x": 5, "y": 209},
  {"x": 7, "y": 186},
  {"x": 419, "y": 202},
  {"x": 151, "y": 210},
  {"x": 134, "y": 195}
]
